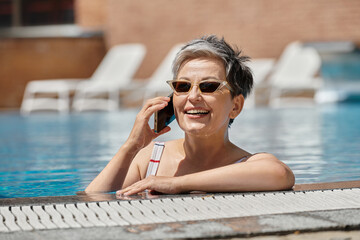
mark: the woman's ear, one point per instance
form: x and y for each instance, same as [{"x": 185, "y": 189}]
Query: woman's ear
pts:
[{"x": 238, "y": 103}]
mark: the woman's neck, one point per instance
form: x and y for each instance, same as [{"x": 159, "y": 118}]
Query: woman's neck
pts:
[{"x": 206, "y": 149}]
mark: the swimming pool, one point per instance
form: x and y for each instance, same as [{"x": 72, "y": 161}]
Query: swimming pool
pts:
[{"x": 48, "y": 154}]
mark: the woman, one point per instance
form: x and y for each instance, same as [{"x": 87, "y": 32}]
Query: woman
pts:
[{"x": 211, "y": 83}]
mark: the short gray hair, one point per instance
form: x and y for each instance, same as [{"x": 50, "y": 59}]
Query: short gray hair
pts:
[{"x": 238, "y": 75}]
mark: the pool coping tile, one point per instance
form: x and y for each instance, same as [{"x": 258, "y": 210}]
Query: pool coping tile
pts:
[
  {"x": 97, "y": 197},
  {"x": 263, "y": 225}
]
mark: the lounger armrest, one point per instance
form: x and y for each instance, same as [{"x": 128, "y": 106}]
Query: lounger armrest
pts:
[{"x": 52, "y": 85}]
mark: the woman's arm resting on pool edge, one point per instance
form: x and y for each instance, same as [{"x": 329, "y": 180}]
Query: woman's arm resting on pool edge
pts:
[
  {"x": 113, "y": 175},
  {"x": 261, "y": 172}
]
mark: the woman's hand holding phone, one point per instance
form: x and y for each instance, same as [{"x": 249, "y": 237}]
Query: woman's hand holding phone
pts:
[
  {"x": 112, "y": 177},
  {"x": 165, "y": 116},
  {"x": 141, "y": 134}
]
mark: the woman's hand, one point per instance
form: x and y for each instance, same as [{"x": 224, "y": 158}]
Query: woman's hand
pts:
[
  {"x": 141, "y": 134},
  {"x": 168, "y": 185},
  {"x": 113, "y": 175}
]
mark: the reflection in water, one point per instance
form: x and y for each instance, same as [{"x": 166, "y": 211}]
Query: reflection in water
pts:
[
  {"x": 95, "y": 197},
  {"x": 139, "y": 196},
  {"x": 53, "y": 155},
  {"x": 293, "y": 135},
  {"x": 341, "y": 133}
]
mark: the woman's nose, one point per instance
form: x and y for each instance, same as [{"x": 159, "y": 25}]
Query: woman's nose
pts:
[{"x": 194, "y": 93}]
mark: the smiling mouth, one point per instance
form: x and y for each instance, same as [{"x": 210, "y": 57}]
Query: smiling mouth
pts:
[{"x": 197, "y": 112}]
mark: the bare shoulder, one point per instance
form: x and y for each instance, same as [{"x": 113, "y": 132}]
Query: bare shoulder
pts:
[
  {"x": 263, "y": 156},
  {"x": 142, "y": 158},
  {"x": 173, "y": 148},
  {"x": 146, "y": 151},
  {"x": 174, "y": 143},
  {"x": 268, "y": 159},
  {"x": 138, "y": 166}
]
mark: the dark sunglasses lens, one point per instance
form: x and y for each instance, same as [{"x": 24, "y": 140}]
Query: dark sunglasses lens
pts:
[
  {"x": 181, "y": 86},
  {"x": 209, "y": 87}
]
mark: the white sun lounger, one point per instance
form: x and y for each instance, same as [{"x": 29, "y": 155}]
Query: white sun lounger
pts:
[
  {"x": 157, "y": 82},
  {"x": 295, "y": 72},
  {"x": 261, "y": 68},
  {"x": 114, "y": 73}
]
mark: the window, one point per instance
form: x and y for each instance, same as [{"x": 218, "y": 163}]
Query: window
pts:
[
  {"x": 5, "y": 13},
  {"x": 36, "y": 12}
]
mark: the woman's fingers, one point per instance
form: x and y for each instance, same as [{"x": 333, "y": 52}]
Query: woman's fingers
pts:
[
  {"x": 154, "y": 105},
  {"x": 151, "y": 106},
  {"x": 130, "y": 191},
  {"x": 155, "y": 101},
  {"x": 133, "y": 189},
  {"x": 164, "y": 130},
  {"x": 151, "y": 110},
  {"x": 136, "y": 187},
  {"x": 153, "y": 183},
  {"x": 142, "y": 134}
]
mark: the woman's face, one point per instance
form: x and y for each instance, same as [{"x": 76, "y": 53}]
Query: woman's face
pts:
[{"x": 198, "y": 113}]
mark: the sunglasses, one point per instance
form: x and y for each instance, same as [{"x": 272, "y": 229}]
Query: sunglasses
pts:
[{"x": 205, "y": 86}]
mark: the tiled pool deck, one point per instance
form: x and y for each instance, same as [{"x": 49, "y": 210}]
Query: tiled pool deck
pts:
[{"x": 308, "y": 208}]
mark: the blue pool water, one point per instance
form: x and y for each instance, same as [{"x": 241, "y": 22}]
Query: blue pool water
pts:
[{"x": 56, "y": 155}]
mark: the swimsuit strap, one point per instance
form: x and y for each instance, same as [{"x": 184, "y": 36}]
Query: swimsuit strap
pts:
[
  {"x": 242, "y": 159},
  {"x": 155, "y": 158}
]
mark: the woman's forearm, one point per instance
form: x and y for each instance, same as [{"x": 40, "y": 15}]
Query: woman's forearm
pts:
[
  {"x": 112, "y": 176},
  {"x": 248, "y": 176},
  {"x": 262, "y": 173}
]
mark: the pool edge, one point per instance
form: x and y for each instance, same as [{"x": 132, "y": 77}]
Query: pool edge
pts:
[{"x": 96, "y": 197}]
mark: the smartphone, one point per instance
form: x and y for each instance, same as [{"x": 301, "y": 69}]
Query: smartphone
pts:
[{"x": 165, "y": 116}]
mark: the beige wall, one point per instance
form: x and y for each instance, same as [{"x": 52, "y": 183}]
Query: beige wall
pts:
[
  {"x": 23, "y": 60},
  {"x": 261, "y": 28},
  {"x": 91, "y": 13}
]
